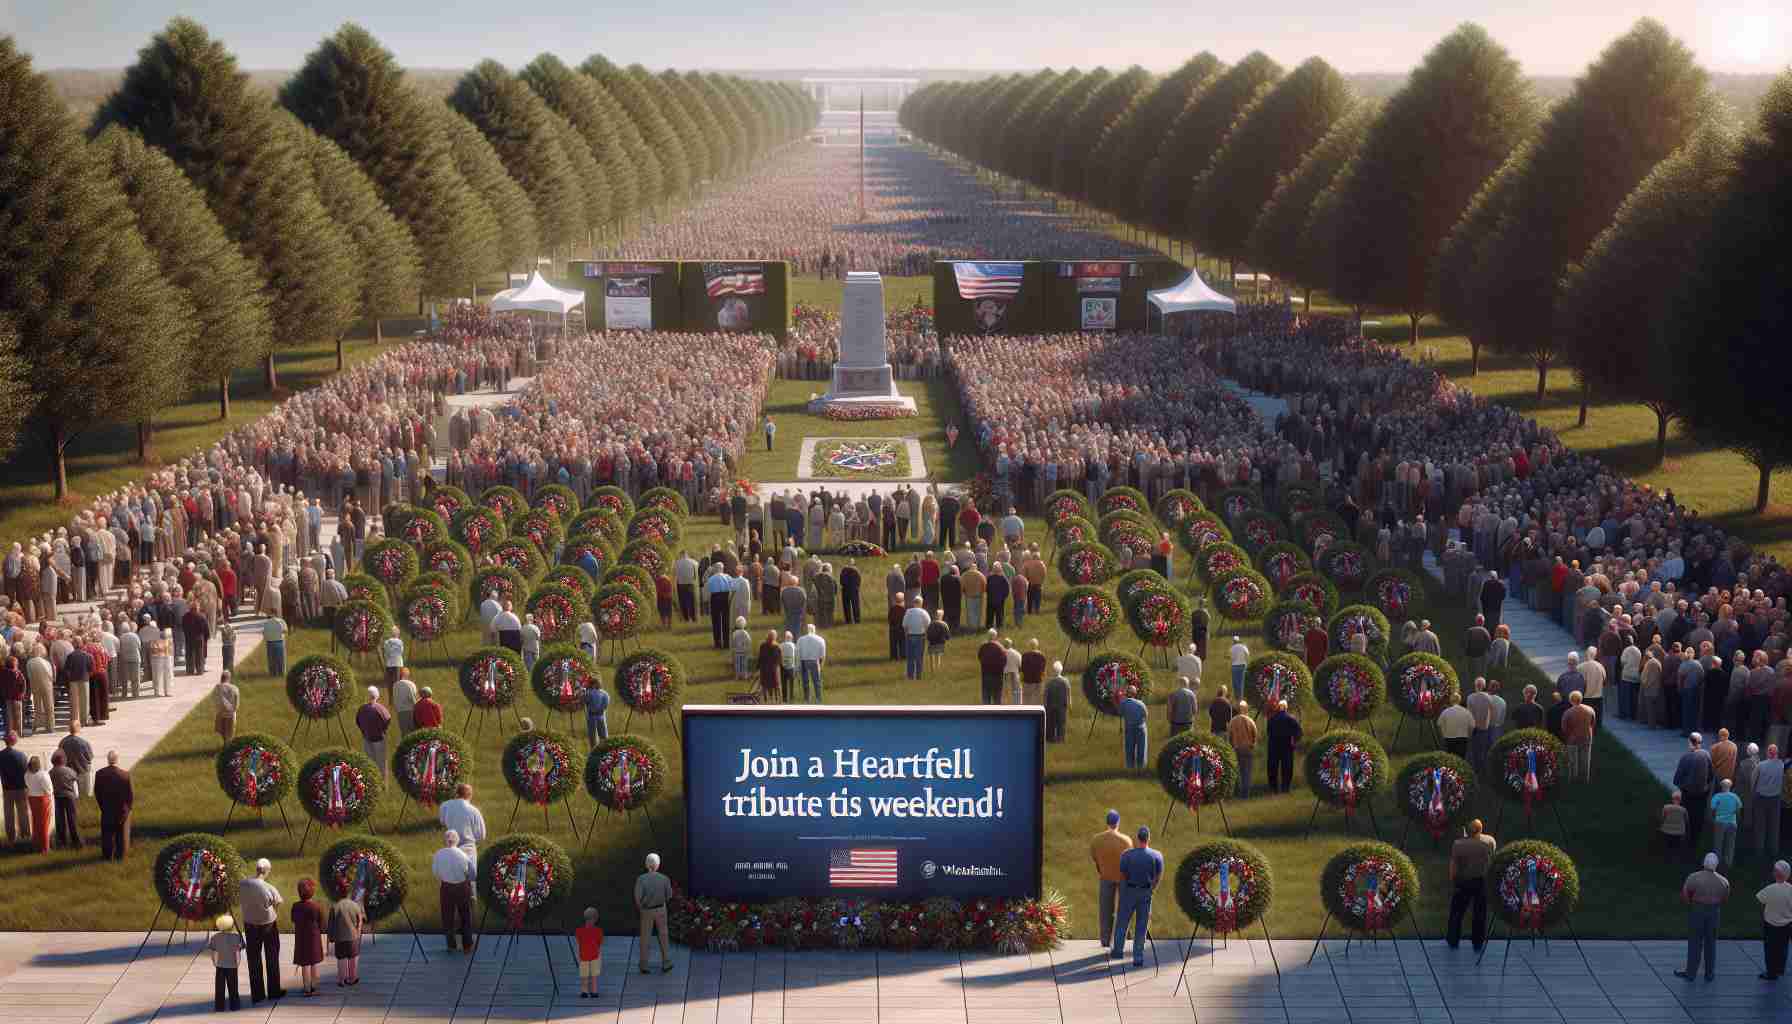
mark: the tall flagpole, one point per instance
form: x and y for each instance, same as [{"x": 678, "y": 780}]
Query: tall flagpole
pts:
[{"x": 861, "y": 153}]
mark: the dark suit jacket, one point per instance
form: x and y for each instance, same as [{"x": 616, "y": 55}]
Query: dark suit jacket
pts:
[{"x": 112, "y": 790}]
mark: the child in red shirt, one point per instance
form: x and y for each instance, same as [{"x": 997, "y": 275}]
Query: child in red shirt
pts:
[{"x": 591, "y": 945}]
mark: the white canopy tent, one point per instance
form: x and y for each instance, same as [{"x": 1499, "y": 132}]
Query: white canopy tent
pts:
[
  {"x": 538, "y": 296},
  {"x": 1192, "y": 295}
]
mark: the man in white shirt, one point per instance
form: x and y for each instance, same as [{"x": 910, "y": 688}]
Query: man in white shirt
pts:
[
  {"x": 392, "y": 653},
  {"x": 1592, "y": 692},
  {"x": 1188, "y": 664},
  {"x": 1480, "y": 706},
  {"x": 1456, "y": 724},
  {"x": 1241, "y": 656},
  {"x": 588, "y": 638},
  {"x": 404, "y": 702},
  {"x": 1630, "y": 676},
  {"x": 488, "y": 614},
  {"x": 1011, "y": 672},
  {"x": 914, "y": 637},
  {"x": 811, "y": 653},
  {"x": 464, "y": 819},
  {"x": 531, "y": 642},
  {"x": 509, "y": 628},
  {"x": 455, "y": 871},
  {"x": 261, "y": 930},
  {"x": 684, "y": 577}
]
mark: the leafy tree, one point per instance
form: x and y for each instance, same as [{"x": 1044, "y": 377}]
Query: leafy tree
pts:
[
  {"x": 186, "y": 96},
  {"x": 1054, "y": 121},
  {"x": 660, "y": 138},
  {"x": 986, "y": 148},
  {"x": 1268, "y": 140},
  {"x": 725, "y": 93},
  {"x": 1614, "y": 299},
  {"x": 223, "y": 286},
  {"x": 1074, "y": 173},
  {"x": 505, "y": 204},
  {"x": 586, "y": 173},
  {"x": 1728, "y": 328},
  {"x": 1457, "y": 294},
  {"x": 1437, "y": 139},
  {"x": 575, "y": 98},
  {"x": 731, "y": 134},
  {"x": 714, "y": 141},
  {"x": 700, "y": 160},
  {"x": 640, "y": 164},
  {"x": 1636, "y": 104},
  {"x": 1139, "y": 129},
  {"x": 965, "y": 131},
  {"x": 94, "y": 327},
  {"x": 352, "y": 91},
  {"x": 1276, "y": 239},
  {"x": 1013, "y": 139},
  {"x": 521, "y": 129},
  {"x": 1194, "y": 137},
  {"x": 386, "y": 258}
]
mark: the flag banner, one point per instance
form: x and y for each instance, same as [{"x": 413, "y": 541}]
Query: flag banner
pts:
[
  {"x": 733, "y": 279},
  {"x": 988, "y": 280},
  {"x": 858, "y": 869},
  {"x": 628, "y": 303}
]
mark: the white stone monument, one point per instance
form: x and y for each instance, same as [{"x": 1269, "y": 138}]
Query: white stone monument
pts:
[{"x": 863, "y": 376}]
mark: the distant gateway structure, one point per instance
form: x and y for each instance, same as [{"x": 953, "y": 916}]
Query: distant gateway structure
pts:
[{"x": 899, "y": 88}]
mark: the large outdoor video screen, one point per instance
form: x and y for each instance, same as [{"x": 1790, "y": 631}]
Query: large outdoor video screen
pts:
[{"x": 886, "y": 802}]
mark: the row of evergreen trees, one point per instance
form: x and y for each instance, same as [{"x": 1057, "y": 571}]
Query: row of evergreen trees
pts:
[
  {"x": 1634, "y": 230},
  {"x": 198, "y": 223}
]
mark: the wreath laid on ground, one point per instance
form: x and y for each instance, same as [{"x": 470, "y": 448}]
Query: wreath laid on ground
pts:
[
  {"x": 666, "y": 500},
  {"x": 1159, "y": 617},
  {"x": 1527, "y": 766},
  {"x": 1258, "y": 530},
  {"x": 1135, "y": 583},
  {"x": 527, "y": 876},
  {"x": 860, "y": 459},
  {"x": 1346, "y": 563},
  {"x": 1113, "y": 677},
  {"x": 425, "y": 613},
  {"x": 1200, "y": 531},
  {"x": 423, "y": 527},
  {"x": 446, "y": 500},
  {"x": 318, "y": 686},
  {"x": 362, "y": 587},
  {"x": 1360, "y": 618},
  {"x": 449, "y": 558},
  {"x": 339, "y": 787},
  {"x": 1235, "y": 502},
  {"x": 556, "y": 611},
  {"x": 520, "y": 555},
  {"x": 361, "y": 625},
  {"x": 1215, "y": 560},
  {"x": 655, "y": 524},
  {"x": 391, "y": 561},
  {"x": 1241, "y": 595},
  {"x": 477, "y": 529},
  {"x": 1277, "y": 677},
  {"x": 197, "y": 875},
  {"x": 1345, "y": 768},
  {"x": 1367, "y": 886},
  {"x": 579, "y": 545},
  {"x": 574, "y": 579},
  {"x": 1128, "y": 530},
  {"x": 1073, "y": 530},
  {"x": 1224, "y": 886},
  {"x": 615, "y": 499},
  {"x": 370, "y": 870},
  {"x": 1423, "y": 685},
  {"x": 1281, "y": 561},
  {"x": 1535, "y": 885},
  {"x": 650, "y": 555},
  {"x": 1086, "y": 564},
  {"x": 542, "y": 767},
  {"x": 1313, "y": 589},
  {"x": 557, "y": 500},
  {"x": 624, "y": 772},
  {"x": 256, "y": 769},
  {"x": 540, "y": 527},
  {"x": 862, "y": 549},
  {"x": 503, "y": 500},
  {"x": 1065, "y": 503},
  {"x": 1116, "y": 499},
  {"x": 616, "y": 611},
  {"x": 1176, "y": 505},
  {"x": 1349, "y": 687},
  {"x": 429, "y": 763},
  {"x": 1320, "y": 530},
  {"x": 1397, "y": 593},
  {"x": 1197, "y": 768},
  {"x": 1436, "y": 790},
  {"x": 1087, "y": 614},
  {"x": 501, "y": 580},
  {"x": 598, "y": 520},
  {"x": 562, "y": 675},
  {"x": 1285, "y": 625},
  {"x": 649, "y": 681},
  {"x": 489, "y": 677}
]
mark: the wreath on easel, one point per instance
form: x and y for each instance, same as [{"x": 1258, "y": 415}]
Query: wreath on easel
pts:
[
  {"x": 1196, "y": 769},
  {"x": 624, "y": 772},
  {"x": 1224, "y": 886},
  {"x": 526, "y": 875},
  {"x": 256, "y": 769},
  {"x": 196, "y": 876},
  {"x": 1367, "y": 886}
]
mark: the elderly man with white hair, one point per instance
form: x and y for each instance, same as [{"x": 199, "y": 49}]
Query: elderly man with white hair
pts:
[
  {"x": 374, "y": 721},
  {"x": 455, "y": 871},
  {"x": 652, "y": 892},
  {"x": 261, "y": 929},
  {"x": 1704, "y": 891},
  {"x": 1776, "y": 921}
]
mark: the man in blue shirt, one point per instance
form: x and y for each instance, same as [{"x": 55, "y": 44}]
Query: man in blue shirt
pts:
[
  {"x": 1142, "y": 867},
  {"x": 1132, "y": 713},
  {"x": 720, "y": 591},
  {"x": 597, "y": 705}
]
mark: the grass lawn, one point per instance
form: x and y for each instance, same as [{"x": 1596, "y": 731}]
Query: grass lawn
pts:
[
  {"x": 899, "y": 292},
  {"x": 936, "y": 403}
]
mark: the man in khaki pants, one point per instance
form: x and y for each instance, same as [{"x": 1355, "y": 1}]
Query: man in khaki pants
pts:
[{"x": 652, "y": 890}]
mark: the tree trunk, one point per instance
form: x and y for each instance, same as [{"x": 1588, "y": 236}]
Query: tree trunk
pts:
[
  {"x": 379, "y": 334},
  {"x": 269, "y": 376},
  {"x": 58, "y": 445},
  {"x": 1413, "y": 337},
  {"x": 1542, "y": 379},
  {"x": 1760, "y": 490},
  {"x": 1586, "y": 393},
  {"x": 224, "y": 396},
  {"x": 1474, "y": 356},
  {"x": 1306, "y": 305},
  {"x": 145, "y": 429},
  {"x": 339, "y": 353},
  {"x": 1661, "y": 435}
]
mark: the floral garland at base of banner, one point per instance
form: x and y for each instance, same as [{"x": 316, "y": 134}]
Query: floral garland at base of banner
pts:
[
  {"x": 1529, "y": 763},
  {"x": 526, "y": 876},
  {"x": 649, "y": 681},
  {"x": 1436, "y": 790},
  {"x": 1011, "y": 927},
  {"x": 1349, "y": 687},
  {"x": 542, "y": 767},
  {"x": 1087, "y": 614},
  {"x": 624, "y": 772},
  {"x": 429, "y": 764},
  {"x": 1535, "y": 885},
  {"x": 562, "y": 675},
  {"x": 1197, "y": 769},
  {"x": 196, "y": 875},
  {"x": 1424, "y": 685},
  {"x": 339, "y": 787},
  {"x": 318, "y": 686},
  {"x": 370, "y": 870},
  {"x": 862, "y": 549},
  {"x": 1345, "y": 768},
  {"x": 1224, "y": 886},
  {"x": 1111, "y": 678},
  {"x": 1367, "y": 886},
  {"x": 1276, "y": 677},
  {"x": 489, "y": 677},
  {"x": 256, "y": 769}
]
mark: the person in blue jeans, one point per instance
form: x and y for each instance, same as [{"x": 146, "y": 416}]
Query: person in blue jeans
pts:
[
  {"x": 1726, "y": 809},
  {"x": 273, "y": 637},
  {"x": 914, "y": 637},
  {"x": 1142, "y": 868},
  {"x": 1133, "y": 716}
]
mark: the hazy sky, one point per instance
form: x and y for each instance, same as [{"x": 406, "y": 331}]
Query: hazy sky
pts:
[{"x": 1548, "y": 36}]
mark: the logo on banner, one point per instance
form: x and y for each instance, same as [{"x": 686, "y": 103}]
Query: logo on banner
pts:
[
  {"x": 1098, "y": 285},
  {"x": 989, "y": 314},
  {"x": 1100, "y": 314}
]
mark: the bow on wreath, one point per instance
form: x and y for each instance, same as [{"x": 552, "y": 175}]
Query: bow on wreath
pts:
[
  {"x": 190, "y": 899},
  {"x": 1435, "y": 814},
  {"x": 1347, "y": 781},
  {"x": 517, "y": 901},
  {"x": 565, "y": 683},
  {"x": 1533, "y": 790},
  {"x": 1195, "y": 787},
  {"x": 624, "y": 786},
  {"x": 1426, "y": 698},
  {"x": 538, "y": 772},
  {"x": 249, "y": 771},
  {"x": 491, "y": 682},
  {"x": 360, "y": 892},
  {"x": 1225, "y": 915},
  {"x": 1530, "y": 907},
  {"x": 1376, "y": 912},
  {"x": 337, "y": 806},
  {"x": 426, "y": 786}
]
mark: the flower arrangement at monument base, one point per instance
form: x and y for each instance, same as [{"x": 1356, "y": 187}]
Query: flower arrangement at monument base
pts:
[
  {"x": 196, "y": 875},
  {"x": 860, "y": 459},
  {"x": 1224, "y": 886},
  {"x": 256, "y": 769},
  {"x": 1176, "y": 505},
  {"x": 862, "y": 549},
  {"x": 526, "y": 877},
  {"x": 318, "y": 686},
  {"x": 1436, "y": 791},
  {"x": 361, "y": 625},
  {"x": 561, "y": 676},
  {"x": 1276, "y": 677},
  {"x": 862, "y": 411},
  {"x": 1535, "y": 885},
  {"x": 649, "y": 681},
  {"x": 1241, "y": 594},
  {"x": 1345, "y": 768},
  {"x": 477, "y": 529},
  {"x": 339, "y": 787},
  {"x": 1088, "y": 564},
  {"x": 666, "y": 500},
  {"x": 1398, "y": 594},
  {"x": 542, "y": 767},
  {"x": 502, "y": 500},
  {"x": 615, "y": 499},
  {"x": 1367, "y": 887},
  {"x": 1285, "y": 626},
  {"x": 1423, "y": 685},
  {"x": 1117, "y": 499},
  {"x": 490, "y": 676},
  {"x": 1064, "y": 503},
  {"x": 1353, "y": 619},
  {"x": 1197, "y": 768},
  {"x": 1002, "y": 926},
  {"x": 1087, "y": 614},
  {"x": 429, "y": 763},
  {"x": 1113, "y": 677},
  {"x": 1526, "y": 765},
  {"x": 624, "y": 772},
  {"x": 556, "y": 611},
  {"x": 370, "y": 870}
]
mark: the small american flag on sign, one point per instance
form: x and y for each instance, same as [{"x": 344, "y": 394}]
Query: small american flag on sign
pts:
[{"x": 855, "y": 868}]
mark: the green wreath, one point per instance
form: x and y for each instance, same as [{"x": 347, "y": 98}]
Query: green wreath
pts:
[
  {"x": 1312, "y": 526},
  {"x": 391, "y": 561},
  {"x": 1258, "y": 530},
  {"x": 256, "y": 769},
  {"x": 1135, "y": 583},
  {"x": 1234, "y": 503},
  {"x": 1298, "y": 498},
  {"x": 1129, "y": 528},
  {"x": 1197, "y": 768},
  {"x": 542, "y": 767},
  {"x": 1349, "y": 687},
  {"x": 581, "y": 544},
  {"x": 1281, "y": 562},
  {"x": 1535, "y": 885},
  {"x": 1369, "y": 770},
  {"x": 1360, "y": 618},
  {"x": 1111, "y": 678},
  {"x": 318, "y": 686},
  {"x": 1087, "y": 564},
  {"x": 521, "y": 555},
  {"x": 1073, "y": 530},
  {"x": 527, "y": 876},
  {"x": 362, "y": 625},
  {"x": 442, "y": 583},
  {"x": 598, "y": 520},
  {"x": 573, "y": 578},
  {"x": 427, "y": 613},
  {"x": 1277, "y": 676},
  {"x": 502, "y": 580},
  {"x": 540, "y": 528},
  {"x": 1344, "y": 886},
  {"x": 561, "y": 676},
  {"x": 1215, "y": 559},
  {"x": 371, "y": 870},
  {"x": 1311, "y": 588},
  {"x": 491, "y": 676},
  {"x": 1423, "y": 685},
  {"x": 650, "y": 555},
  {"x": 615, "y": 499},
  {"x": 1115, "y": 499},
  {"x": 1436, "y": 791},
  {"x": 1249, "y": 886},
  {"x": 558, "y": 500},
  {"x": 1202, "y": 530},
  {"x": 649, "y": 681},
  {"x": 449, "y": 558},
  {"x": 655, "y": 523},
  {"x": 395, "y": 515},
  {"x": 196, "y": 875},
  {"x": 1159, "y": 617},
  {"x": 1285, "y": 625},
  {"x": 664, "y": 498},
  {"x": 362, "y": 587},
  {"x": 339, "y": 787},
  {"x": 557, "y": 610},
  {"x": 624, "y": 772},
  {"x": 1176, "y": 505},
  {"x": 1347, "y": 564},
  {"x": 1065, "y": 503},
  {"x": 1241, "y": 595},
  {"x": 423, "y": 527},
  {"x": 447, "y": 499},
  {"x": 423, "y": 781},
  {"x": 1396, "y": 593},
  {"x": 502, "y": 500},
  {"x": 476, "y": 528},
  {"x": 636, "y": 577},
  {"x": 1508, "y": 764},
  {"x": 1087, "y": 615}
]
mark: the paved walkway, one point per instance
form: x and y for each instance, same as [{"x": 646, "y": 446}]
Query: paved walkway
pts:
[{"x": 76, "y": 978}]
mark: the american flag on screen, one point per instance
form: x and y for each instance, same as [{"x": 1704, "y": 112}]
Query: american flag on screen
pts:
[
  {"x": 727, "y": 280},
  {"x": 987, "y": 280},
  {"x": 858, "y": 868}
]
